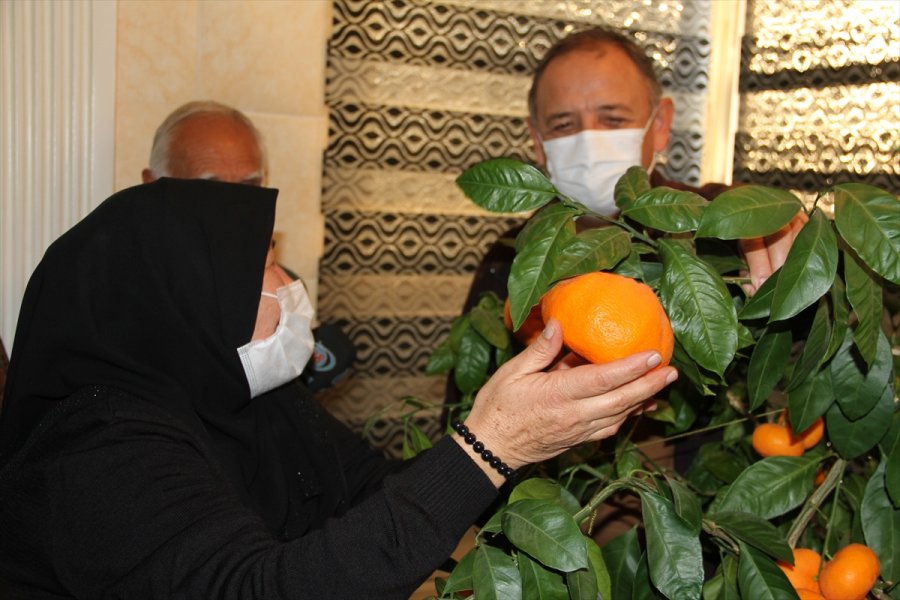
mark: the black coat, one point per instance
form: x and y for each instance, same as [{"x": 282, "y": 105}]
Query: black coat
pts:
[{"x": 133, "y": 463}]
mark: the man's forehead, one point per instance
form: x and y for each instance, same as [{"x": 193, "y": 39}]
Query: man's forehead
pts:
[{"x": 601, "y": 70}]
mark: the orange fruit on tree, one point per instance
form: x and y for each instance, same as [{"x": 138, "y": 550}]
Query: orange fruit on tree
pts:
[
  {"x": 805, "y": 570},
  {"x": 820, "y": 477},
  {"x": 850, "y": 574},
  {"x": 531, "y": 327},
  {"x": 806, "y": 594},
  {"x": 605, "y": 317},
  {"x": 771, "y": 439},
  {"x": 811, "y": 435}
]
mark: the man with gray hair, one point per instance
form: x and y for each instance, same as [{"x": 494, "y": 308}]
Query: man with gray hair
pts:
[
  {"x": 205, "y": 139},
  {"x": 208, "y": 140}
]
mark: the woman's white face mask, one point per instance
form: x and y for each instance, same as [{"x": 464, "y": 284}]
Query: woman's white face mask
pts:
[
  {"x": 585, "y": 166},
  {"x": 281, "y": 357}
]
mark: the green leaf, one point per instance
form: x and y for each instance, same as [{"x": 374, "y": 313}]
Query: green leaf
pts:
[
  {"x": 630, "y": 186},
  {"x": 494, "y": 575},
  {"x": 459, "y": 327},
  {"x": 628, "y": 459},
  {"x": 472, "y": 361},
  {"x": 854, "y": 438},
  {"x": 769, "y": 487},
  {"x": 816, "y": 346},
  {"x": 537, "y": 488},
  {"x": 760, "y": 578},
  {"x": 673, "y": 549},
  {"x": 748, "y": 211},
  {"x": 687, "y": 504},
  {"x": 593, "y": 582},
  {"x": 754, "y": 531},
  {"x": 461, "y": 577},
  {"x": 539, "y": 583},
  {"x": 868, "y": 219},
  {"x": 858, "y": 391},
  {"x": 699, "y": 306},
  {"x": 864, "y": 294},
  {"x": 811, "y": 400},
  {"x": 643, "y": 589},
  {"x": 441, "y": 360},
  {"x": 881, "y": 525},
  {"x": 808, "y": 270},
  {"x": 595, "y": 249},
  {"x": 506, "y": 185},
  {"x": 622, "y": 555},
  {"x": 892, "y": 474},
  {"x": 667, "y": 209},
  {"x": 414, "y": 441},
  {"x": 767, "y": 363},
  {"x": 840, "y": 318},
  {"x": 723, "y": 585},
  {"x": 692, "y": 371},
  {"x": 547, "y": 532},
  {"x": 760, "y": 304},
  {"x": 489, "y": 327},
  {"x": 532, "y": 269}
]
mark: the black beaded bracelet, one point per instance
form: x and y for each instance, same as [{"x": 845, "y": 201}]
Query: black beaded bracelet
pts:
[{"x": 486, "y": 455}]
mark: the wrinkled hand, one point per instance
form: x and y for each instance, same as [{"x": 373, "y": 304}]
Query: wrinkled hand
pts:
[
  {"x": 525, "y": 414},
  {"x": 766, "y": 255}
]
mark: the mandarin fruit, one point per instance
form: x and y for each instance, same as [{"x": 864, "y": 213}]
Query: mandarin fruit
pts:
[
  {"x": 805, "y": 570},
  {"x": 605, "y": 317},
  {"x": 531, "y": 327},
  {"x": 807, "y": 594},
  {"x": 850, "y": 574},
  {"x": 809, "y": 436},
  {"x": 771, "y": 439}
]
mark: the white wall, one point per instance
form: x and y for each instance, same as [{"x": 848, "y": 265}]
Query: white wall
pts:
[{"x": 57, "y": 93}]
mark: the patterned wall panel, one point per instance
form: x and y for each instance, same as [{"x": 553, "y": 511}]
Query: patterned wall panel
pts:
[
  {"x": 820, "y": 95},
  {"x": 417, "y": 92}
]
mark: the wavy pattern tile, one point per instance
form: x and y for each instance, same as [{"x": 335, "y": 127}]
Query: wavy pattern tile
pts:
[{"x": 417, "y": 92}]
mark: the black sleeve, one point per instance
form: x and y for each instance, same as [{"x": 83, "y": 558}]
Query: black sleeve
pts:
[{"x": 137, "y": 509}]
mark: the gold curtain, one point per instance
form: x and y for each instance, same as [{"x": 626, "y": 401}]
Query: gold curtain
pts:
[{"x": 820, "y": 95}]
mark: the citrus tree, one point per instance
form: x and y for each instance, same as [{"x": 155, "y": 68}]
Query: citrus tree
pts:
[{"x": 815, "y": 349}]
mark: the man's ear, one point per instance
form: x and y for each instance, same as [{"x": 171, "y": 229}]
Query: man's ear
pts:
[
  {"x": 662, "y": 124},
  {"x": 147, "y": 176},
  {"x": 539, "y": 157}
]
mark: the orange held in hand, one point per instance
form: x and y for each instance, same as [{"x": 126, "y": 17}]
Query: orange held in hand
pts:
[
  {"x": 805, "y": 570},
  {"x": 770, "y": 439},
  {"x": 850, "y": 574},
  {"x": 605, "y": 317},
  {"x": 531, "y": 327}
]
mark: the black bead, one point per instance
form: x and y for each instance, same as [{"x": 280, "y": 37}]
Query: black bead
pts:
[
  {"x": 494, "y": 462},
  {"x": 487, "y": 454},
  {"x": 469, "y": 437},
  {"x": 478, "y": 447}
]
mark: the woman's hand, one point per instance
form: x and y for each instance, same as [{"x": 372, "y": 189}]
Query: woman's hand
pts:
[{"x": 525, "y": 414}]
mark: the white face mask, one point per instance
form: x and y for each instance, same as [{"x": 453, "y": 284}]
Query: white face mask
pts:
[
  {"x": 586, "y": 165},
  {"x": 281, "y": 357}
]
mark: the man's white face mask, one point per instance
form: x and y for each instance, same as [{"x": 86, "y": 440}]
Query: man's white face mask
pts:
[
  {"x": 281, "y": 357},
  {"x": 585, "y": 166}
]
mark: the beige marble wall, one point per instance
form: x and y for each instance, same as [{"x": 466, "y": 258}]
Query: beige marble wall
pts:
[{"x": 266, "y": 58}]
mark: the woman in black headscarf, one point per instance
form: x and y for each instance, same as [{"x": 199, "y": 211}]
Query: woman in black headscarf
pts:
[{"x": 142, "y": 455}]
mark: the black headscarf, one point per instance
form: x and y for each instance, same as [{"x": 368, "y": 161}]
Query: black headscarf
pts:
[{"x": 152, "y": 294}]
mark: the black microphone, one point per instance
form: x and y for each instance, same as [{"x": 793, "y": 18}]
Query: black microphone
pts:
[{"x": 332, "y": 357}]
